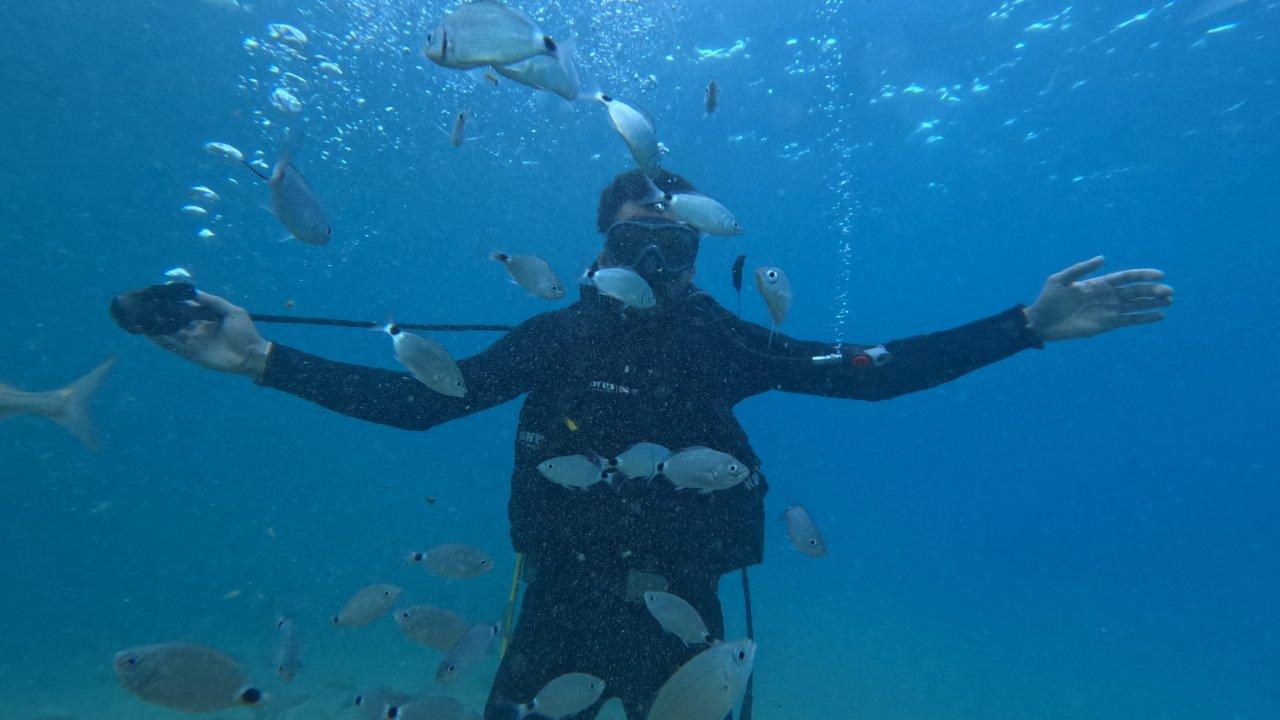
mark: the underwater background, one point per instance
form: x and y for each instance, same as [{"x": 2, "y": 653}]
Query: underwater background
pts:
[{"x": 1086, "y": 531}]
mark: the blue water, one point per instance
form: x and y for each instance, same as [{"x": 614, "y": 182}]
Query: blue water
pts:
[{"x": 1087, "y": 531}]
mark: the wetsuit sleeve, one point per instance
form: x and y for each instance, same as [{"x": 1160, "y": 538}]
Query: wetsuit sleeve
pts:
[
  {"x": 508, "y": 368},
  {"x": 918, "y": 363}
]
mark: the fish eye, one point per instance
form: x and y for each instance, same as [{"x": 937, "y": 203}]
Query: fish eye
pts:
[
  {"x": 813, "y": 542},
  {"x": 733, "y": 468},
  {"x": 772, "y": 274},
  {"x": 130, "y": 662},
  {"x": 742, "y": 654},
  {"x": 359, "y": 699}
]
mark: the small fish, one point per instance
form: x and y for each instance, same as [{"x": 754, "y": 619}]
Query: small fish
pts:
[
  {"x": 775, "y": 288},
  {"x": 637, "y": 131},
  {"x": 485, "y": 33},
  {"x": 200, "y": 193},
  {"x": 227, "y": 152},
  {"x": 624, "y": 285},
  {"x": 190, "y": 678},
  {"x": 677, "y": 617},
  {"x": 473, "y": 643},
  {"x": 707, "y": 687},
  {"x": 572, "y": 471},
  {"x": 431, "y": 707},
  {"x": 701, "y": 211},
  {"x": 295, "y": 206},
  {"x": 431, "y": 499},
  {"x": 803, "y": 531},
  {"x": 69, "y": 406},
  {"x": 457, "y": 134},
  {"x": 431, "y": 626},
  {"x": 703, "y": 469},
  {"x": 374, "y": 704},
  {"x": 288, "y": 658},
  {"x": 544, "y": 72},
  {"x": 566, "y": 695},
  {"x": 428, "y": 361},
  {"x": 713, "y": 96},
  {"x": 738, "y": 263},
  {"x": 532, "y": 274},
  {"x": 367, "y": 605},
  {"x": 454, "y": 561},
  {"x": 612, "y": 710},
  {"x": 640, "y": 460}
]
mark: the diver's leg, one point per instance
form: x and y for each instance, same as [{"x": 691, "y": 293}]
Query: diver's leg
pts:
[{"x": 530, "y": 658}]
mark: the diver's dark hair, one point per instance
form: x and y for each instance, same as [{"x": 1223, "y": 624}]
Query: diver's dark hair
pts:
[{"x": 630, "y": 185}]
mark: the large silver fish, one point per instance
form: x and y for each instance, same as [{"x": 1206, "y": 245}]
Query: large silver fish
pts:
[
  {"x": 454, "y": 561},
  {"x": 572, "y": 471},
  {"x": 803, "y": 531},
  {"x": 190, "y": 678},
  {"x": 544, "y": 72},
  {"x": 703, "y": 469},
  {"x": 431, "y": 626},
  {"x": 701, "y": 211},
  {"x": 473, "y": 644},
  {"x": 295, "y": 206},
  {"x": 709, "y": 686},
  {"x": 625, "y": 286},
  {"x": 486, "y": 33},
  {"x": 428, "y": 361},
  {"x": 640, "y": 460},
  {"x": 637, "y": 131},
  {"x": 677, "y": 617},
  {"x": 69, "y": 406},
  {"x": 367, "y": 605},
  {"x": 566, "y": 695},
  {"x": 533, "y": 274},
  {"x": 288, "y": 657},
  {"x": 775, "y": 288}
]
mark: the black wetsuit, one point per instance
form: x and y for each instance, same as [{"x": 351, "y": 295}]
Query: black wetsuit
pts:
[{"x": 599, "y": 380}]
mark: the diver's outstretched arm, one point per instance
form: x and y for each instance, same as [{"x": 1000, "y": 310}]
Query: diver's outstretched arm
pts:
[{"x": 232, "y": 344}]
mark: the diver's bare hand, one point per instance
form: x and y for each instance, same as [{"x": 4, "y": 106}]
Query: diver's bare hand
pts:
[
  {"x": 230, "y": 344},
  {"x": 1070, "y": 308}
]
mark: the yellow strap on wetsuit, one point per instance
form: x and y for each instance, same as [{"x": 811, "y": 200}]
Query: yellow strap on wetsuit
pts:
[{"x": 509, "y": 618}]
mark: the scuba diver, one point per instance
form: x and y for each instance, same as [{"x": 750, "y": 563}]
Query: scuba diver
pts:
[{"x": 598, "y": 380}]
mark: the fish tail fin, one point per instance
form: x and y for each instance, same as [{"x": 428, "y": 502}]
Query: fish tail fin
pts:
[
  {"x": 74, "y": 414},
  {"x": 565, "y": 58}
]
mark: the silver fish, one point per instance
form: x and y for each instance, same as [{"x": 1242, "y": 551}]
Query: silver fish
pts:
[
  {"x": 431, "y": 626},
  {"x": 458, "y": 134},
  {"x": 288, "y": 657},
  {"x": 295, "y": 206},
  {"x": 454, "y": 561},
  {"x": 69, "y": 406},
  {"x": 566, "y": 695},
  {"x": 713, "y": 97},
  {"x": 640, "y": 460},
  {"x": 703, "y": 212},
  {"x": 544, "y": 72},
  {"x": 803, "y": 531},
  {"x": 637, "y": 131},
  {"x": 190, "y": 678},
  {"x": 473, "y": 643},
  {"x": 532, "y": 274},
  {"x": 428, "y": 361},
  {"x": 612, "y": 710},
  {"x": 709, "y": 686},
  {"x": 703, "y": 469},
  {"x": 367, "y": 605},
  {"x": 374, "y": 704},
  {"x": 677, "y": 617},
  {"x": 572, "y": 471},
  {"x": 431, "y": 707},
  {"x": 485, "y": 33},
  {"x": 775, "y": 288},
  {"x": 624, "y": 285}
]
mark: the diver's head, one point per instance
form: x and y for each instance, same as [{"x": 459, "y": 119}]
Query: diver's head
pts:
[{"x": 645, "y": 237}]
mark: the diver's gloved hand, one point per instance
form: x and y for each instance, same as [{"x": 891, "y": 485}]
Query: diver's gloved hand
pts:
[
  {"x": 1069, "y": 308},
  {"x": 231, "y": 344}
]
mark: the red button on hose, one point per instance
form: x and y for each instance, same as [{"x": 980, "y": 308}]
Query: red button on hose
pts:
[{"x": 861, "y": 361}]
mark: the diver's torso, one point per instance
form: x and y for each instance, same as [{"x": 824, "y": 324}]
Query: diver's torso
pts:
[{"x": 618, "y": 381}]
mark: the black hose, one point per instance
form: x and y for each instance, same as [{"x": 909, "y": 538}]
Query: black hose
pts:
[
  {"x": 435, "y": 327},
  {"x": 745, "y": 712}
]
